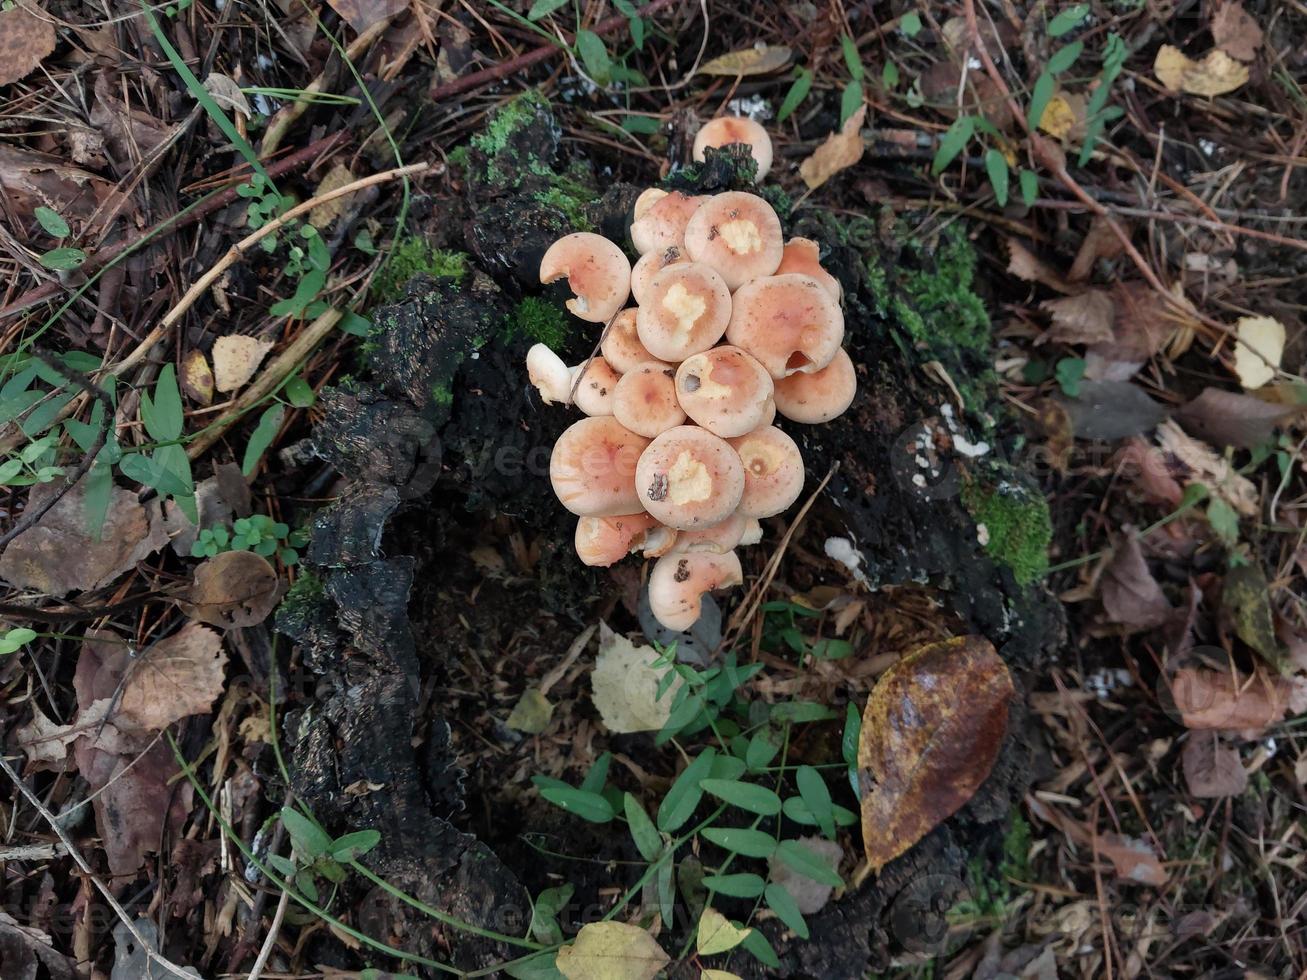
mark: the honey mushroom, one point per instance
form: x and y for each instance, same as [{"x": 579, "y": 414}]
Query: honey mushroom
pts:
[
  {"x": 645, "y": 399},
  {"x": 596, "y": 270},
  {"x": 773, "y": 471},
  {"x": 593, "y": 383},
  {"x": 737, "y": 234},
  {"x": 724, "y": 390},
  {"x": 604, "y": 541},
  {"x": 649, "y": 265},
  {"x": 688, "y": 309},
  {"x": 678, "y": 582},
  {"x": 660, "y": 223},
  {"x": 689, "y": 479},
  {"x": 593, "y": 465},
  {"x": 549, "y": 374},
  {"x": 790, "y": 323},
  {"x": 802, "y": 255},
  {"x": 621, "y": 345},
  {"x": 726, "y": 130},
  {"x": 820, "y": 396}
]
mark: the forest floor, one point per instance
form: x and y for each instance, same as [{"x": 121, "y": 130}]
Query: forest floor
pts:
[{"x": 209, "y": 211}]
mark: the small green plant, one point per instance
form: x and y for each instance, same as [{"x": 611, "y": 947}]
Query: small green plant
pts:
[
  {"x": 315, "y": 854},
  {"x": 63, "y": 258},
  {"x": 588, "y": 46},
  {"x": 16, "y": 639},
  {"x": 258, "y": 533},
  {"x": 853, "y": 92}
]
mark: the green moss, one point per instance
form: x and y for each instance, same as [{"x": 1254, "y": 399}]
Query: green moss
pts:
[
  {"x": 541, "y": 321},
  {"x": 569, "y": 198},
  {"x": 506, "y": 120},
  {"x": 414, "y": 256},
  {"x": 1017, "y": 527},
  {"x": 504, "y": 149},
  {"x": 442, "y": 395},
  {"x": 935, "y": 303}
]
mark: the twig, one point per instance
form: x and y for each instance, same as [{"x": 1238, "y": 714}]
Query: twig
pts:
[
  {"x": 522, "y": 62},
  {"x": 271, "y": 941},
  {"x": 76, "y": 855}
]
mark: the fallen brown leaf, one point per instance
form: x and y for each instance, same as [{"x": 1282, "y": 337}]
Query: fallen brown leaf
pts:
[
  {"x": 197, "y": 377},
  {"x": 1194, "y": 462},
  {"x": 1211, "y": 768},
  {"x": 1246, "y": 602},
  {"x": 1235, "y": 32},
  {"x": 1024, "y": 264},
  {"x": 179, "y": 676},
  {"x": 26, "y": 39},
  {"x": 61, "y": 555},
  {"x": 1101, "y": 242},
  {"x": 1085, "y": 318},
  {"x": 931, "y": 732},
  {"x": 1222, "y": 701},
  {"x": 840, "y": 151},
  {"x": 1228, "y": 418},
  {"x": 1133, "y": 859},
  {"x": 232, "y": 589},
  {"x": 1131, "y": 596},
  {"x": 761, "y": 59},
  {"x": 30, "y": 180},
  {"x": 1216, "y": 74}
]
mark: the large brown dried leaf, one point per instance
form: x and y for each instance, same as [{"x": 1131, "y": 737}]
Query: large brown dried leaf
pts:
[
  {"x": 1085, "y": 318},
  {"x": 25, "y": 41},
  {"x": 1132, "y": 859},
  {"x": 60, "y": 554},
  {"x": 1211, "y": 768},
  {"x": 1193, "y": 462},
  {"x": 29, "y": 180},
  {"x": 233, "y": 589},
  {"x": 1225, "y": 701},
  {"x": 1100, "y": 243},
  {"x": 1229, "y": 418},
  {"x": 1024, "y": 264},
  {"x": 931, "y": 732},
  {"x": 179, "y": 676},
  {"x": 1131, "y": 596},
  {"x": 1235, "y": 32},
  {"x": 840, "y": 151}
]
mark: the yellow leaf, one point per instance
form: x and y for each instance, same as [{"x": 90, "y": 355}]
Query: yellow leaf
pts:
[
  {"x": 236, "y": 358},
  {"x": 761, "y": 59},
  {"x": 611, "y": 951},
  {"x": 1216, "y": 74},
  {"x": 624, "y": 685},
  {"x": 727, "y": 975},
  {"x": 717, "y": 933},
  {"x": 196, "y": 377},
  {"x": 841, "y": 150},
  {"x": 1064, "y": 116},
  {"x": 1259, "y": 349},
  {"x": 532, "y": 712}
]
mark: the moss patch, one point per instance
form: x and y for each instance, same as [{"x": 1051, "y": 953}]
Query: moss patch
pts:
[
  {"x": 570, "y": 198},
  {"x": 414, "y": 256},
  {"x": 541, "y": 321},
  {"x": 1017, "y": 527}
]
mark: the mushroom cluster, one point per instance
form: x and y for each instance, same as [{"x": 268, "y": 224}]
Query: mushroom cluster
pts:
[{"x": 678, "y": 457}]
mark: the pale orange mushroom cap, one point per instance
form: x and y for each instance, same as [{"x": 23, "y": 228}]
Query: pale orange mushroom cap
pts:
[
  {"x": 621, "y": 345},
  {"x": 593, "y": 467},
  {"x": 678, "y": 582},
  {"x": 597, "y": 272},
  {"x": 649, "y": 265},
  {"x": 773, "y": 471},
  {"x": 689, "y": 479},
  {"x": 688, "y": 308},
  {"x": 716, "y": 540},
  {"x": 819, "y": 397},
  {"x": 790, "y": 323},
  {"x": 803, "y": 255},
  {"x": 660, "y": 224},
  {"x": 736, "y": 129},
  {"x": 645, "y": 399},
  {"x": 593, "y": 394},
  {"x": 604, "y": 541},
  {"x": 738, "y": 234},
  {"x": 724, "y": 390}
]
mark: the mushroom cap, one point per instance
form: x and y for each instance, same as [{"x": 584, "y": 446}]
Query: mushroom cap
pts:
[
  {"x": 549, "y": 374},
  {"x": 752, "y": 532},
  {"x": 790, "y": 323},
  {"x": 770, "y": 415},
  {"x": 724, "y": 390},
  {"x": 738, "y": 234},
  {"x": 593, "y": 466},
  {"x": 678, "y": 582},
  {"x": 649, "y": 265},
  {"x": 594, "y": 393},
  {"x": 603, "y": 541},
  {"x": 688, "y": 308},
  {"x": 645, "y": 399},
  {"x": 725, "y": 130},
  {"x": 597, "y": 272},
  {"x": 647, "y": 199},
  {"x": 717, "y": 540},
  {"x": 818, "y": 397},
  {"x": 689, "y": 479},
  {"x": 661, "y": 223},
  {"x": 773, "y": 470},
  {"x": 803, "y": 255},
  {"x": 621, "y": 345}
]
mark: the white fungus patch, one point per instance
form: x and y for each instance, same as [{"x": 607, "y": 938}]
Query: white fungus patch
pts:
[{"x": 843, "y": 551}]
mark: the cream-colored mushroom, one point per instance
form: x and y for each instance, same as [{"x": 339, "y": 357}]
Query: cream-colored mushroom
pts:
[
  {"x": 724, "y": 390},
  {"x": 803, "y": 255},
  {"x": 645, "y": 399},
  {"x": 649, "y": 265},
  {"x": 597, "y": 272},
  {"x": 738, "y": 234},
  {"x": 818, "y": 397},
  {"x": 790, "y": 323},
  {"x": 726, "y": 130},
  {"x": 593, "y": 466},
  {"x": 594, "y": 382},
  {"x": 661, "y": 224},
  {"x": 689, "y": 479},
  {"x": 773, "y": 470},
  {"x": 603, "y": 541},
  {"x": 549, "y": 374},
  {"x": 678, "y": 582},
  {"x": 687, "y": 311}
]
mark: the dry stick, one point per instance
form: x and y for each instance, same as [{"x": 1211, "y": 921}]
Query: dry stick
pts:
[
  {"x": 755, "y": 596},
  {"x": 268, "y": 380},
  {"x": 104, "y": 256},
  {"x": 234, "y": 254},
  {"x": 271, "y": 941},
  {"x": 487, "y": 75},
  {"x": 121, "y": 912}
]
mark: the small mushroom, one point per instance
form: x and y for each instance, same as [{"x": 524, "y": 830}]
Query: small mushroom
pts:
[
  {"x": 603, "y": 541},
  {"x": 726, "y": 130},
  {"x": 689, "y": 479},
  {"x": 621, "y": 345},
  {"x": 738, "y": 234},
  {"x": 678, "y": 582},
  {"x": 593, "y": 394},
  {"x": 649, "y": 265},
  {"x": 597, "y": 273},
  {"x": 645, "y": 399},
  {"x": 724, "y": 390},
  {"x": 790, "y": 323},
  {"x": 752, "y": 532},
  {"x": 549, "y": 374},
  {"x": 687, "y": 311},
  {"x": 660, "y": 225},
  {"x": 716, "y": 540},
  {"x": 803, "y": 255},
  {"x": 773, "y": 470},
  {"x": 647, "y": 199},
  {"x": 821, "y": 396},
  {"x": 593, "y": 467}
]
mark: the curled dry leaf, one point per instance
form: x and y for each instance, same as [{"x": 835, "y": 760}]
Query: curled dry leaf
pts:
[
  {"x": 1086, "y": 318},
  {"x": 26, "y": 39},
  {"x": 235, "y": 359},
  {"x": 1216, "y": 74},
  {"x": 1258, "y": 351},
  {"x": 362, "y": 14},
  {"x": 1235, "y": 32},
  {"x": 1193, "y": 462},
  {"x": 1024, "y": 264},
  {"x": 45, "y": 742},
  {"x": 226, "y": 91},
  {"x": 1211, "y": 767},
  {"x": 611, "y": 951},
  {"x": 30, "y": 180},
  {"x": 324, "y": 214},
  {"x": 841, "y": 150},
  {"x": 232, "y": 589},
  {"x": 197, "y": 377},
  {"x": 61, "y": 555},
  {"x": 931, "y": 732},
  {"x": 1131, "y": 596},
  {"x": 1132, "y": 858},
  {"x": 180, "y": 675},
  {"x": 1064, "y": 116},
  {"x": 761, "y": 59},
  {"x": 625, "y": 685}
]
